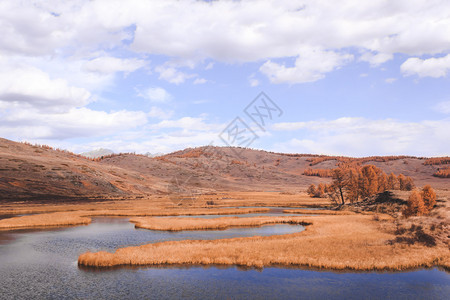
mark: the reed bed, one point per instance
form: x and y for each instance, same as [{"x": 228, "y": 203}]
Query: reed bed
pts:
[
  {"x": 82, "y": 217},
  {"x": 318, "y": 212},
  {"x": 178, "y": 224},
  {"x": 57, "y": 219},
  {"x": 333, "y": 242}
]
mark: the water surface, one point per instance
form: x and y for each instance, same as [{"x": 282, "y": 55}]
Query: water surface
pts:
[{"x": 43, "y": 264}]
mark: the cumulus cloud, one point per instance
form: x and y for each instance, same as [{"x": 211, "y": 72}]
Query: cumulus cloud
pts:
[
  {"x": 156, "y": 112},
  {"x": 172, "y": 75},
  {"x": 33, "y": 87},
  {"x": 312, "y": 64},
  {"x": 431, "y": 67},
  {"x": 109, "y": 65},
  {"x": 362, "y": 137},
  {"x": 156, "y": 94},
  {"x": 74, "y": 123},
  {"x": 376, "y": 59}
]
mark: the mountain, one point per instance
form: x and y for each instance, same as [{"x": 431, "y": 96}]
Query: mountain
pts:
[
  {"x": 97, "y": 153},
  {"x": 40, "y": 173}
]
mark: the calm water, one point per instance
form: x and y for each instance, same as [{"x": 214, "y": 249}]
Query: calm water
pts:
[{"x": 42, "y": 264}]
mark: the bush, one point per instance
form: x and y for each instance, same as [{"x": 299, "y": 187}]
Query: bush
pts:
[{"x": 429, "y": 197}]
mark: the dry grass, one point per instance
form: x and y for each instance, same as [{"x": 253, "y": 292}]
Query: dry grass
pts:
[
  {"x": 318, "y": 212},
  {"x": 336, "y": 242},
  {"x": 56, "y": 219},
  {"x": 178, "y": 224},
  {"x": 82, "y": 217}
]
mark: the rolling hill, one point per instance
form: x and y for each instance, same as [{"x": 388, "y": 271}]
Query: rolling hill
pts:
[{"x": 40, "y": 173}]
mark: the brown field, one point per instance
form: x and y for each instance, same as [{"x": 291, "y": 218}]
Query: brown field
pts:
[
  {"x": 337, "y": 242},
  {"x": 178, "y": 224}
]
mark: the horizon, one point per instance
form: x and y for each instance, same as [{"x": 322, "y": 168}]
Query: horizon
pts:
[
  {"x": 342, "y": 80},
  {"x": 205, "y": 146}
]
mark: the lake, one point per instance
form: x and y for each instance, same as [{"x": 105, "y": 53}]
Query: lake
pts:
[{"x": 43, "y": 264}]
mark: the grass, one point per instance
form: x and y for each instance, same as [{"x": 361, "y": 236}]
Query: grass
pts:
[
  {"x": 318, "y": 212},
  {"x": 81, "y": 217},
  {"x": 178, "y": 224},
  {"x": 334, "y": 242}
]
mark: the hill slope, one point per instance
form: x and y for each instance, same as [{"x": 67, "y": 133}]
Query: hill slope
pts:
[{"x": 42, "y": 173}]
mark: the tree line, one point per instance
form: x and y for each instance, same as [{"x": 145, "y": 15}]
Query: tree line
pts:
[{"x": 353, "y": 183}]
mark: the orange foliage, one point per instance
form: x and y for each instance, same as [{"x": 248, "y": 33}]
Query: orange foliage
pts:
[
  {"x": 437, "y": 161},
  {"x": 415, "y": 205},
  {"x": 318, "y": 172},
  {"x": 429, "y": 197},
  {"x": 443, "y": 173},
  {"x": 353, "y": 182}
]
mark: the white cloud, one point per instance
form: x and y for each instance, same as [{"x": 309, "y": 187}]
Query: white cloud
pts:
[
  {"x": 172, "y": 75},
  {"x": 33, "y": 87},
  {"x": 363, "y": 137},
  {"x": 209, "y": 66},
  {"x": 109, "y": 65},
  {"x": 376, "y": 59},
  {"x": 188, "y": 123},
  {"x": 76, "y": 122},
  {"x": 431, "y": 67},
  {"x": 254, "y": 82},
  {"x": 156, "y": 94},
  {"x": 390, "y": 80},
  {"x": 443, "y": 107},
  {"x": 158, "y": 113},
  {"x": 310, "y": 65},
  {"x": 200, "y": 81}
]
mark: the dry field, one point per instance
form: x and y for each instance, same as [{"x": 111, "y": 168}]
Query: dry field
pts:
[
  {"x": 178, "y": 224},
  {"x": 337, "y": 242}
]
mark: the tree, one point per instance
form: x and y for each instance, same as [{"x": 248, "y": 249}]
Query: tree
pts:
[
  {"x": 383, "y": 182},
  {"x": 429, "y": 197},
  {"x": 415, "y": 205},
  {"x": 402, "y": 182},
  {"x": 369, "y": 181},
  {"x": 311, "y": 191},
  {"x": 339, "y": 184},
  {"x": 320, "y": 192},
  {"x": 353, "y": 185},
  {"x": 392, "y": 182},
  {"x": 409, "y": 184}
]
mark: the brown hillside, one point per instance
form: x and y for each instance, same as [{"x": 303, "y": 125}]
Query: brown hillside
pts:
[{"x": 41, "y": 173}]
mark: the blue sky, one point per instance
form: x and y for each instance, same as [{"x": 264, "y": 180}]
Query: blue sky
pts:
[{"x": 352, "y": 78}]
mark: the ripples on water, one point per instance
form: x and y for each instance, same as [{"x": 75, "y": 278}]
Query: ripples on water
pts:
[{"x": 42, "y": 264}]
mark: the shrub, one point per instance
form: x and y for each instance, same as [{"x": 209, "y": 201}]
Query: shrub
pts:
[
  {"x": 415, "y": 205},
  {"x": 429, "y": 197}
]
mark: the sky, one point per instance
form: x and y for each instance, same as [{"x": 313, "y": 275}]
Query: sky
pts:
[{"x": 354, "y": 78}]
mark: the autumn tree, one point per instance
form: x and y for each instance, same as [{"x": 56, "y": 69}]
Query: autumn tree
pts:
[
  {"x": 318, "y": 192},
  {"x": 401, "y": 182},
  {"x": 409, "y": 184},
  {"x": 392, "y": 182},
  {"x": 311, "y": 191},
  {"x": 429, "y": 197},
  {"x": 339, "y": 185},
  {"x": 415, "y": 205},
  {"x": 369, "y": 181},
  {"x": 383, "y": 184},
  {"x": 353, "y": 185}
]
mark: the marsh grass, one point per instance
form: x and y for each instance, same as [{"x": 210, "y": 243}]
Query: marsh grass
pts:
[
  {"x": 83, "y": 217},
  {"x": 335, "y": 242},
  {"x": 178, "y": 224}
]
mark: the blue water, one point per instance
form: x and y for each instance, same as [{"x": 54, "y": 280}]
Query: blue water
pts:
[{"x": 42, "y": 264}]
